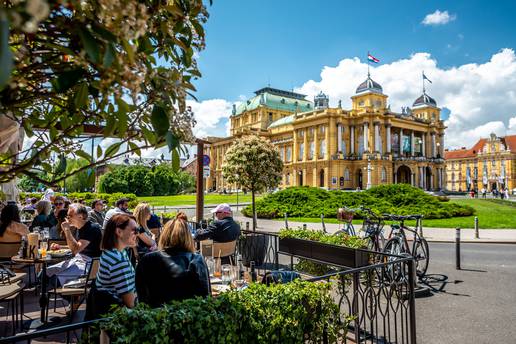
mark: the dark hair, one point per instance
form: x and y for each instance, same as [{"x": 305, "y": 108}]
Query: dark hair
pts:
[
  {"x": 118, "y": 220},
  {"x": 80, "y": 209},
  {"x": 61, "y": 214},
  {"x": 94, "y": 202},
  {"x": 33, "y": 200},
  {"x": 121, "y": 201},
  {"x": 9, "y": 214},
  {"x": 59, "y": 198},
  {"x": 67, "y": 203}
]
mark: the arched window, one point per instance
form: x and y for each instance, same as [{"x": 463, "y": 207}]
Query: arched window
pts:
[
  {"x": 384, "y": 174},
  {"x": 346, "y": 175}
]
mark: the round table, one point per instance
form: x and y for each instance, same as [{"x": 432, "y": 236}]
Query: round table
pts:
[{"x": 43, "y": 299}]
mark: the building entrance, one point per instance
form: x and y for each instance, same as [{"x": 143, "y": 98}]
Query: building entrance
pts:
[{"x": 403, "y": 175}]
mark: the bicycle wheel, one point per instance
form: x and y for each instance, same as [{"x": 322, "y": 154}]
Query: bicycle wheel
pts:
[
  {"x": 422, "y": 255},
  {"x": 394, "y": 271}
]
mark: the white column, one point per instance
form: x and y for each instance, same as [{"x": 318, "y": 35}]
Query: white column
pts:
[
  {"x": 339, "y": 138},
  {"x": 432, "y": 181},
  {"x": 441, "y": 147},
  {"x": 423, "y": 145},
  {"x": 368, "y": 185},
  {"x": 412, "y": 143},
  {"x": 352, "y": 139},
  {"x": 434, "y": 150},
  {"x": 440, "y": 177},
  {"x": 366, "y": 137},
  {"x": 401, "y": 142},
  {"x": 377, "y": 140},
  {"x": 423, "y": 174},
  {"x": 388, "y": 138},
  {"x": 412, "y": 179}
]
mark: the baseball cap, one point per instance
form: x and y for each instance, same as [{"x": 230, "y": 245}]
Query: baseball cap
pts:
[{"x": 222, "y": 208}]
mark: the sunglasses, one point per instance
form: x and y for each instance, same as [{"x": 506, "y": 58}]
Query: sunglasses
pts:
[{"x": 58, "y": 204}]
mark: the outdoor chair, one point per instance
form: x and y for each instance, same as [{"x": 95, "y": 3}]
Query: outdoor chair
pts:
[
  {"x": 9, "y": 250},
  {"x": 11, "y": 293},
  {"x": 226, "y": 250},
  {"x": 79, "y": 289}
]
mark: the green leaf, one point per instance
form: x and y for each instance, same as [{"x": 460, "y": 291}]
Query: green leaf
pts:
[
  {"x": 6, "y": 56},
  {"x": 159, "y": 120},
  {"x": 46, "y": 166},
  {"x": 134, "y": 147},
  {"x": 99, "y": 151},
  {"x": 109, "y": 55},
  {"x": 90, "y": 44},
  {"x": 81, "y": 97},
  {"x": 175, "y": 160},
  {"x": 61, "y": 166},
  {"x": 129, "y": 50},
  {"x": 148, "y": 135},
  {"x": 112, "y": 150},
  {"x": 172, "y": 141},
  {"x": 122, "y": 105},
  {"x": 110, "y": 125},
  {"x": 67, "y": 80},
  {"x": 84, "y": 155},
  {"x": 53, "y": 133},
  {"x": 104, "y": 33}
]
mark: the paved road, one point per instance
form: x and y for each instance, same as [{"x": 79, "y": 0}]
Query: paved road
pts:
[{"x": 476, "y": 304}]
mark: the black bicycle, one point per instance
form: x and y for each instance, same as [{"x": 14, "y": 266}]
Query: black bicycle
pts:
[
  {"x": 373, "y": 230},
  {"x": 398, "y": 244}
]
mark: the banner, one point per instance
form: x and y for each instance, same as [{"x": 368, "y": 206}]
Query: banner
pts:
[{"x": 406, "y": 144}]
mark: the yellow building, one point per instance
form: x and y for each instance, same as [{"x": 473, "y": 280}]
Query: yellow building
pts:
[
  {"x": 489, "y": 164},
  {"x": 335, "y": 148}
]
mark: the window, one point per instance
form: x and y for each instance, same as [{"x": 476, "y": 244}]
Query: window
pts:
[
  {"x": 322, "y": 149},
  {"x": 361, "y": 103},
  {"x": 289, "y": 153},
  {"x": 346, "y": 175},
  {"x": 384, "y": 174},
  {"x": 301, "y": 133},
  {"x": 493, "y": 162},
  {"x": 301, "y": 151},
  {"x": 287, "y": 179},
  {"x": 377, "y": 103},
  {"x": 311, "y": 150},
  {"x": 322, "y": 129},
  {"x": 311, "y": 131},
  {"x": 270, "y": 116},
  {"x": 254, "y": 117},
  {"x": 282, "y": 153}
]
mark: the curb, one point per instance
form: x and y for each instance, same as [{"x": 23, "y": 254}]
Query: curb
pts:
[{"x": 477, "y": 241}]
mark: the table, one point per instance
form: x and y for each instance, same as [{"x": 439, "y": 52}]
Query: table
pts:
[{"x": 43, "y": 299}]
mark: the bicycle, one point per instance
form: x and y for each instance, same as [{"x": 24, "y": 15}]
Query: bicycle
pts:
[
  {"x": 398, "y": 243},
  {"x": 373, "y": 230},
  {"x": 346, "y": 215}
]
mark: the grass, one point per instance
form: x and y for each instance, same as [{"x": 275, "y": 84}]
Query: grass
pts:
[
  {"x": 491, "y": 215},
  {"x": 179, "y": 200}
]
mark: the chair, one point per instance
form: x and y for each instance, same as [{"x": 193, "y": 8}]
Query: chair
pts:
[
  {"x": 80, "y": 290},
  {"x": 210, "y": 248},
  {"x": 11, "y": 292},
  {"x": 8, "y": 250}
]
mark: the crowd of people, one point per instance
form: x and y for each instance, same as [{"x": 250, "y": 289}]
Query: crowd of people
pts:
[{"x": 139, "y": 259}]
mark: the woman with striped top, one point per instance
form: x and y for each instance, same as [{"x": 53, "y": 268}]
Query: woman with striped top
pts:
[{"x": 116, "y": 273}]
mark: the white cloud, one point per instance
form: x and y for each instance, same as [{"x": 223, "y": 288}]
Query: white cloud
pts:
[
  {"x": 481, "y": 97},
  {"x": 512, "y": 126},
  {"x": 208, "y": 113},
  {"x": 438, "y": 18}
]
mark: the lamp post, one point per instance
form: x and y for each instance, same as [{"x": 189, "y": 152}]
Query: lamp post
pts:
[
  {"x": 369, "y": 168},
  {"x": 237, "y": 176}
]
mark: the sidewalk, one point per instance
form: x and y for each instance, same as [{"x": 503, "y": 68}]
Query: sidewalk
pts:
[{"x": 503, "y": 236}]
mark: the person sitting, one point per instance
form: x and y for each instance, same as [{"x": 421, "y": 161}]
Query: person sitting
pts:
[
  {"x": 145, "y": 239},
  {"x": 43, "y": 209},
  {"x": 121, "y": 206},
  {"x": 61, "y": 217},
  {"x": 175, "y": 272},
  {"x": 31, "y": 204},
  {"x": 84, "y": 248},
  {"x": 116, "y": 274},
  {"x": 59, "y": 203},
  {"x": 11, "y": 229},
  {"x": 154, "y": 225},
  {"x": 181, "y": 215},
  {"x": 96, "y": 214},
  {"x": 224, "y": 229}
]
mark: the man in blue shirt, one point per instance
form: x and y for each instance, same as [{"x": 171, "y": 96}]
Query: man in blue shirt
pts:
[{"x": 224, "y": 229}]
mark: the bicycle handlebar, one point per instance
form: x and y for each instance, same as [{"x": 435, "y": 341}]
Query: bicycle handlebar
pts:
[{"x": 395, "y": 217}]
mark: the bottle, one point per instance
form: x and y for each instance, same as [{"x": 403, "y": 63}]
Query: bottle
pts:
[
  {"x": 23, "y": 247},
  {"x": 241, "y": 269},
  {"x": 254, "y": 277}
]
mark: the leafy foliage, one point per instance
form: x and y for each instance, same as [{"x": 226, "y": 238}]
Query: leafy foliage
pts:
[
  {"x": 341, "y": 239},
  {"x": 296, "y": 312},
  {"x": 400, "y": 199},
  {"x": 120, "y": 69},
  {"x": 145, "y": 181},
  {"x": 88, "y": 197}
]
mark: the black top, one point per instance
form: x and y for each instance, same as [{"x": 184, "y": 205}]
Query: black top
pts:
[
  {"x": 224, "y": 230},
  {"x": 142, "y": 248},
  {"x": 42, "y": 221},
  {"x": 91, "y": 232},
  {"x": 163, "y": 276},
  {"x": 154, "y": 222}
]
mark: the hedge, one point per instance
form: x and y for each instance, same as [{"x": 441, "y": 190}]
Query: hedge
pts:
[
  {"x": 88, "y": 197},
  {"x": 400, "y": 199},
  {"x": 296, "y": 312}
]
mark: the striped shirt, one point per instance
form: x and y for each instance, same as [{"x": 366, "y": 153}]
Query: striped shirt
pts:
[{"x": 116, "y": 273}]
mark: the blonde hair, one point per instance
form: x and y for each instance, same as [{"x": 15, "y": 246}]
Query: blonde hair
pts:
[
  {"x": 44, "y": 207},
  {"x": 177, "y": 236},
  {"x": 141, "y": 212}
]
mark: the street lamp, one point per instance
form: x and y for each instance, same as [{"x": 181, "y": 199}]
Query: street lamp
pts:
[
  {"x": 236, "y": 176},
  {"x": 369, "y": 169}
]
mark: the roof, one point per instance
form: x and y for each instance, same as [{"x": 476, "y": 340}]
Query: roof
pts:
[
  {"x": 424, "y": 99},
  {"x": 282, "y": 121},
  {"x": 369, "y": 85},
  {"x": 275, "y": 99},
  {"x": 465, "y": 153},
  {"x": 510, "y": 142}
]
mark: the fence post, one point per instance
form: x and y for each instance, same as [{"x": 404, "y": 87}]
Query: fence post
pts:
[
  {"x": 247, "y": 225},
  {"x": 457, "y": 248},
  {"x": 165, "y": 209},
  {"x": 420, "y": 223},
  {"x": 323, "y": 224},
  {"x": 286, "y": 221},
  {"x": 476, "y": 227},
  {"x": 412, "y": 302},
  {"x": 304, "y": 226}
]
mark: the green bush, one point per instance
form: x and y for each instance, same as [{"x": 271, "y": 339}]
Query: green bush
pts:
[
  {"x": 399, "y": 199},
  {"x": 296, "y": 312},
  {"x": 333, "y": 239},
  {"x": 88, "y": 197}
]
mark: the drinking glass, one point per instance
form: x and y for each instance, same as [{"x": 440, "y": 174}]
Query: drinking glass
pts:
[
  {"x": 210, "y": 262},
  {"x": 226, "y": 274},
  {"x": 217, "y": 271},
  {"x": 43, "y": 248}
]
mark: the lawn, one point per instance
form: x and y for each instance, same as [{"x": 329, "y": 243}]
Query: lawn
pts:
[
  {"x": 179, "y": 200},
  {"x": 491, "y": 215}
]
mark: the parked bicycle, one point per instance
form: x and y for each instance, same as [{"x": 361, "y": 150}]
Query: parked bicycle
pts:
[
  {"x": 372, "y": 227},
  {"x": 398, "y": 244},
  {"x": 346, "y": 215}
]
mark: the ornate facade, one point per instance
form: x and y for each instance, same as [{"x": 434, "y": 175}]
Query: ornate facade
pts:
[
  {"x": 335, "y": 148},
  {"x": 489, "y": 164}
]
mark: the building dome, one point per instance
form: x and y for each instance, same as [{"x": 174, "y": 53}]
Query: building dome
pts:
[
  {"x": 424, "y": 99},
  {"x": 321, "y": 101},
  {"x": 369, "y": 85}
]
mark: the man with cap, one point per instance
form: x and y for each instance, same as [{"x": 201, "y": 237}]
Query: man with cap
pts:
[{"x": 224, "y": 229}]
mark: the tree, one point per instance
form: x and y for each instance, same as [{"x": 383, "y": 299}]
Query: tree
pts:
[
  {"x": 118, "y": 68},
  {"x": 78, "y": 182},
  {"x": 252, "y": 163}
]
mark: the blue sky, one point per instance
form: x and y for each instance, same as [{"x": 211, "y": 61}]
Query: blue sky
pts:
[{"x": 252, "y": 43}]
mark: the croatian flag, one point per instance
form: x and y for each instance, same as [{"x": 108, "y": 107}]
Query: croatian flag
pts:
[{"x": 372, "y": 58}]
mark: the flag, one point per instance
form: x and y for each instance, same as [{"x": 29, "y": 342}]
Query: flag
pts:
[
  {"x": 372, "y": 58},
  {"x": 425, "y": 78}
]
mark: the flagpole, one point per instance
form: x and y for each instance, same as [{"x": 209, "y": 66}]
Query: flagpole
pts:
[
  {"x": 367, "y": 59},
  {"x": 423, "y": 76}
]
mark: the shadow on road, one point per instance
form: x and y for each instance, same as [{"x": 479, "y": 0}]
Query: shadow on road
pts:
[{"x": 438, "y": 282}]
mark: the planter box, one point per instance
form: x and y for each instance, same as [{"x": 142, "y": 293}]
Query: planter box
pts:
[{"x": 331, "y": 254}]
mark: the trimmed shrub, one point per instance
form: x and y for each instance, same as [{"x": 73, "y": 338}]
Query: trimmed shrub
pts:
[{"x": 88, "y": 197}]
